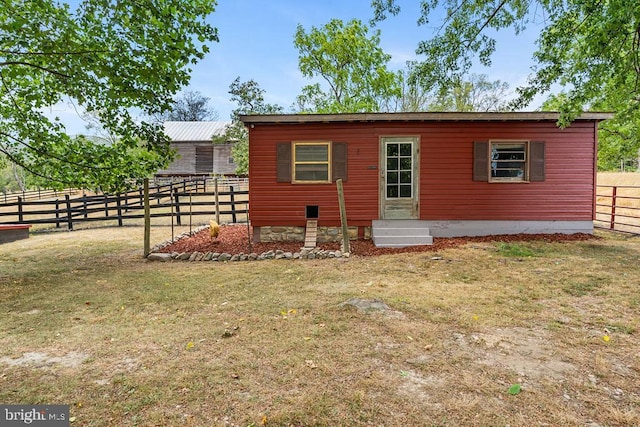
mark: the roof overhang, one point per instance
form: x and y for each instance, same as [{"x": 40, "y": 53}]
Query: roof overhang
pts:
[{"x": 414, "y": 117}]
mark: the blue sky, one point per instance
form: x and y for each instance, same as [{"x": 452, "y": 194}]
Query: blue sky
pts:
[{"x": 256, "y": 42}]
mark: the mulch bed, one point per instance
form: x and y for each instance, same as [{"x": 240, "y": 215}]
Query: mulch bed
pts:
[{"x": 234, "y": 239}]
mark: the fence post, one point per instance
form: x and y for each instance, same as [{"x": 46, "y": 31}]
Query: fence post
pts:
[
  {"x": 20, "y": 214},
  {"x": 57, "y": 213},
  {"x": 613, "y": 207},
  {"x": 147, "y": 219},
  {"x": 67, "y": 199},
  {"x": 177, "y": 203},
  {"x": 119, "y": 207},
  {"x": 84, "y": 205},
  {"x": 233, "y": 205},
  {"x": 216, "y": 198},
  {"x": 106, "y": 205}
]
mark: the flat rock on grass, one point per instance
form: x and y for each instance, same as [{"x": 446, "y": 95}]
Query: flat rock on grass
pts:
[{"x": 373, "y": 306}]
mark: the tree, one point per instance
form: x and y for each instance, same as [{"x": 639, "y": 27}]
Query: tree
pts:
[
  {"x": 474, "y": 94},
  {"x": 618, "y": 138},
  {"x": 191, "y": 107},
  {"x": 109, "y": 57},
  {"x": 584, "y": 45},
  {"x": 250, "y": 100},
  {"x": 351, "y": 64}
]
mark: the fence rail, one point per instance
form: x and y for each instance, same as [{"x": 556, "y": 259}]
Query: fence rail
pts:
[
  {"x": 40, "y": 193},
  {"x": 199, "y": 197},
  {"x": 618, "y": 208}
]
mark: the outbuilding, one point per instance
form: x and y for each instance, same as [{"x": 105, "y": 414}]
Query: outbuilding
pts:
[
  {"x": 409, "y": 177},
  {"x": 196, "y": 153}
]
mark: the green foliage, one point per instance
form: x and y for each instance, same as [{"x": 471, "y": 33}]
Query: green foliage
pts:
[
  {"x": 515, "y": 250},
  {"x": 250, "y": 100},
  {"x": 589, "y": 47},
  {"x": 618, "y": 138},
  {"x": 106, "y": 56},
  {"x": 352, "y": 65}
]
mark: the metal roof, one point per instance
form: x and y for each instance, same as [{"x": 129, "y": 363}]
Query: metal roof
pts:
[
  {"x": 194, "y": 131},
  {"x": 413, "y": 117}
]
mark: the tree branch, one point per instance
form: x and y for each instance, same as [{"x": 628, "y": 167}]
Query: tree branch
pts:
[
  {"x": 15, "y": 52},
  {"x": 22, "y": 165},
  {"x": 486, "y": 22},
  {"x": 27, "y": 64},
  {"x": 47, "y": 154}
]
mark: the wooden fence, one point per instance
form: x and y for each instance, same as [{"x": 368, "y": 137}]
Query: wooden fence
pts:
[
  {"x": 40, "y": 193},
  {"x": 202, "y": 197},
  {"x": 618, "y": 208}
]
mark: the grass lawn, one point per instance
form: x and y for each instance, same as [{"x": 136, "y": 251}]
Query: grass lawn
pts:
[{"x": 87, "y": 322}]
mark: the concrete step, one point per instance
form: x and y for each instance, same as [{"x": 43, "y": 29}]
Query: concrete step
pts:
[{"x": 400, "y": 233}]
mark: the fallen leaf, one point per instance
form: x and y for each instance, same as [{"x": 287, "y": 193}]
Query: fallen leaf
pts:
[
  {"x": 606, "y": 338},
  {"x": 190, "y": 345},
  {"x": 514, "y": 389}
]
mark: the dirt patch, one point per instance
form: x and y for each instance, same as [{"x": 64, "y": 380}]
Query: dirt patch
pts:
[
  {"x": 234, "y": 239},
  {"x": 42, "y": 360},
  {"x": 529, "y": 353}
]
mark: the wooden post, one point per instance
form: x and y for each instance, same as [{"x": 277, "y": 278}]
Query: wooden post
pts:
[
  {"x": 147, "y": 219},
  {"x": 343, "y": 218},
  {"x": 20, "y": 214},
  {"x": 177, "y": 203},
  {"x": 69, "y": 219},
  {"x": 119, "y": 208},
  {"x": 84, "y": 205},
  {"x": 215, "y": 195},
  {"x": 233, "y": 205},
  {"x": 57, "y": 213},
  {"x": 612, "y": 225}
]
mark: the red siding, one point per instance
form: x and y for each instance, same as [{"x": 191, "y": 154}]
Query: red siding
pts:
[{"x": 447, "y": 190}]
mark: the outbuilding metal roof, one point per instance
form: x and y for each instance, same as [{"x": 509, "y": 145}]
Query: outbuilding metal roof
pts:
[{"x": 194, "y": 131}]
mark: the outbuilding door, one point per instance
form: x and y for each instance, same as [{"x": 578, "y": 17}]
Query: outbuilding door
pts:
[{"x": 399, "y": 177}]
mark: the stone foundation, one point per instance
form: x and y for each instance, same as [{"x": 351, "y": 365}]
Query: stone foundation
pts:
[{"x": 296, "y": 234}]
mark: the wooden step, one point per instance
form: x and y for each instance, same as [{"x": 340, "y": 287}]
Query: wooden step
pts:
[{"x": 311, "y": 233}]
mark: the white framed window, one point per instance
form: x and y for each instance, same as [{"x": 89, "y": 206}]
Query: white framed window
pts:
[{"x": 509, "y": 161}]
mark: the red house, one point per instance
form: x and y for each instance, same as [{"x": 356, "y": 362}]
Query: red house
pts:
[{"x": 408, "y": 177}]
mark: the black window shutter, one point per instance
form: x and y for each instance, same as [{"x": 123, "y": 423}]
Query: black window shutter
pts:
[
  {"x": 339, "y": 161},
  {"x": 283, "y": 162},
  {"x": 536, "y": 157},
  {"x": 481, "y": 161}
]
